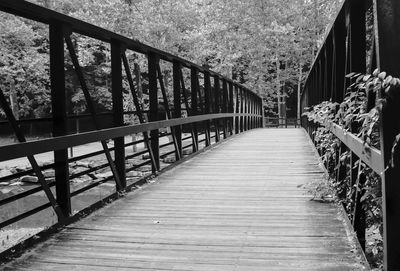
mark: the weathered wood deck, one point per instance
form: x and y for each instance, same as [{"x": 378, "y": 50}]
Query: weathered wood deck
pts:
[{"x": 236, "y": 207}]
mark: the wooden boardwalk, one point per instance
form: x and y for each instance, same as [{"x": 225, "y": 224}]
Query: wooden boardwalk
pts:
[{"x": 238, "y": 206}]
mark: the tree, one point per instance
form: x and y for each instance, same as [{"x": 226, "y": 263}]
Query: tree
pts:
[{"x": 268, "y": 45}]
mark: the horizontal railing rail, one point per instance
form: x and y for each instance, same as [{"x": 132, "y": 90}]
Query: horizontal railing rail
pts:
[
  {"x": 281, "y": 122},
  {"x": 24, "y": 149},
  {"x": 363, "y": 38},
  {"x": 215, "y": 108}
]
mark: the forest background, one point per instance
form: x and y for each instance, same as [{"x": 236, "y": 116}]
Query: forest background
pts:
[{"x": 267, "y": 45}]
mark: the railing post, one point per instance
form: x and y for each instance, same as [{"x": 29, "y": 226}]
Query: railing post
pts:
[
  {"x": 328, "y": 67},
  {"x": 177, "y": 107},
  {"x": 359, "y": 215},
  {"x": 225, "y": 106},
  {"x": 237, "y": 110},
  {"x": 244, "y": 100},
  {"x": 258, "y": 111},
  {"x": 248, "y": 108},
  {"x": 217, "y": 94},
  {"x": 194, "y": 87},
  {"x": 387, "y": 20},
  {"x": 153, "y": 115},
  {"x": 339, "y": 38},
  {"x": 255, "y": 119},
  {"x": 253, "y": 111},
  {"x": 241, "y": 109},
  {"x": 118, "y": 110},
  {"x": 250, "y": 97},
  {"x": 207, "y": 95},
  {"x": 59, "y": 111},
  {"x": 231, "y": 108},
  {"x": 262, "y": 113}
]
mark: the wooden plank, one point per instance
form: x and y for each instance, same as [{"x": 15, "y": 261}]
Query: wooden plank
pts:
[{"x": 198, "y": 217}]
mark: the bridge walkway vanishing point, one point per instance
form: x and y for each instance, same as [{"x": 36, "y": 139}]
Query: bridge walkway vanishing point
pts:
[{"x": 238, "y": 206}]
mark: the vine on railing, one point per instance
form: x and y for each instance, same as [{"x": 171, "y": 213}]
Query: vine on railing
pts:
[{"x": 359, "y": 113}]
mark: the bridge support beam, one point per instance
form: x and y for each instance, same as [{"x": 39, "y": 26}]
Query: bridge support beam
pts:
[
  {"x": 118, "y": 112},
  {"x": 194, "y": 88},
  {"x": 387, "y": 38},
  {"x": 59, "y": 111},
  {"x": 177, "y": 130},
  {"x": 153, "y": 116},
  {"x": 216, "y": 108},
  {"x": 207, "y": 106}
]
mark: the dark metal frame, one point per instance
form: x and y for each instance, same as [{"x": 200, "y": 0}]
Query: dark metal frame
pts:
[
  {"x": 200, "y": 110},
  {"x": 344, "y": 51}
]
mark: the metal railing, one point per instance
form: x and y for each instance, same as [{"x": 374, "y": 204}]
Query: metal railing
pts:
[
  {"x": 216, "y": 109},
  {"x": 352, "y": 45},
  {"x": 281, "y": 122}
]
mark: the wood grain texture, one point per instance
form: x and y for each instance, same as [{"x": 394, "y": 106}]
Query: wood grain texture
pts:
[{"x": 239, "y": 206}]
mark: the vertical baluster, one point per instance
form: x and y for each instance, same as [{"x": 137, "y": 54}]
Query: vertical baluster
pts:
[
  {"x": 250, "y": 110},
  {"x": 225, "y": 106},
  {"x": 153, "y": 115},
  {"x": 194, "y": 87},
  {"x": 177, "y": 107},
  {"x": 340, "y": 53},
  {"x": 333, "y": 66},
  {"x": 207, "y": 94},
  {"x": 118, "y": 111},
  {"x": 216, "y": 106},
  {"x": 261, "y": 112},
  {"x": 231, "y": 108},
  {"x": 242, "y": 118},
  {"x": 387, "y": 14},
  {"x": 357, "y": 56},
  {"x": 253, "y": 120},
  {"x": 246, "y": 109},
  {"x": 237, "y": 109},
  {"x": 59, "y": 111}
]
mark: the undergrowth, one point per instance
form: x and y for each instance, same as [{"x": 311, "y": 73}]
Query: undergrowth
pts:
[{"x": 359, "y": 113}]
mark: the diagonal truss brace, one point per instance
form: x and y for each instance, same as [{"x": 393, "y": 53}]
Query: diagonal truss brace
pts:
[
  {"x": 167, "y": 110},
  {"x": 21, "y": 138},
  {"x": 187, "y": 106},
  {"x": 139, "y": 107},
  {"x": 90, "y": 106}
]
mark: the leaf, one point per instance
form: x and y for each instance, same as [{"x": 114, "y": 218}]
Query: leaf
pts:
[
  {"x": 382, "y": 75},
  {"x": 366, "y": 77},
  {"x": 359, "y": 78},
  {"x": 350, "y": 75}
]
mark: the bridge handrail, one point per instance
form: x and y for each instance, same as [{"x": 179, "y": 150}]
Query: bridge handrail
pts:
[
  {"x": 224, "y": 108},
  {"x": 24, "y": 149},
  {"x": 350, "y": 47}
]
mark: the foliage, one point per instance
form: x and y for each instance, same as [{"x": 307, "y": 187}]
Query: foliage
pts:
[
  {"x": 24, "y": 66},
  {"x": 249, "y": 41},
  {"x": 359, "y": 114}
]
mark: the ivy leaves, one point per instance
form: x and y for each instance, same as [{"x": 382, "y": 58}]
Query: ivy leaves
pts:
[{"x": 359, "y": 113}]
